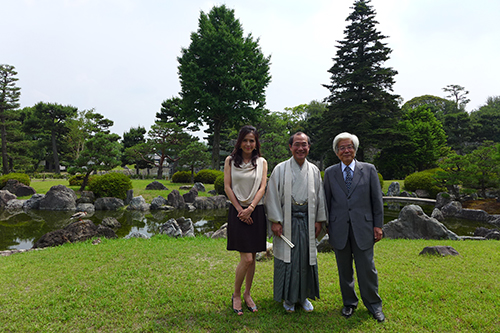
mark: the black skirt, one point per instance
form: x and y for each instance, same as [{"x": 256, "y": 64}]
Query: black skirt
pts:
[{"x": 248, "y": 238}]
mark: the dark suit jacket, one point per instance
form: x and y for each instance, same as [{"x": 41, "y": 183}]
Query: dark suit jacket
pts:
[{"x": 363, "y": 206}]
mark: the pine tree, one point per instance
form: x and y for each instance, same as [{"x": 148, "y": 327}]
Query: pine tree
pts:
[
  {"x": 360, "y": 101},
  {"x": 9, "y": 98}
]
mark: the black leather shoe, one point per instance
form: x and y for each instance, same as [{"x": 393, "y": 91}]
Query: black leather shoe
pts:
[
  {"x": 379, "y": 315},
  {"x": 347, "y": 311}
]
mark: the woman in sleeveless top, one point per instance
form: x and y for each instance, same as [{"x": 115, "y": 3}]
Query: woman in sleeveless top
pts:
[{"x": 245, "y": 175}]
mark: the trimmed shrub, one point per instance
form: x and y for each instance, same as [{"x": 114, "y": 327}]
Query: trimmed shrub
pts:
[
  {"x": 21, "y": 177},
  {"x": 207, "y": 176},
  {"x": 181, "y": 177},
  {"x": 219, "y": 184},
  {"x": 423, "y": 180},
  {"x": 381, "y": 179},
  {"x": 77, "y": 180},
  {"x": 113, "y": 184}
]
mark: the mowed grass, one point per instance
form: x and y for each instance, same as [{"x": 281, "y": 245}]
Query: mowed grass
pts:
[{"x": 185, "y": 285}]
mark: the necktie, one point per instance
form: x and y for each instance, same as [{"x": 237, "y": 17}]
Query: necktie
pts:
[{"x": 348, "y": 178}]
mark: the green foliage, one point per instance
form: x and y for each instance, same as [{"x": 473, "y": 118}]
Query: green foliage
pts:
[
  {"x": 423, "y": 180},
  {"x": 223, "y": 75},
  {"x": 381, "y": 179},
  {"x": 112, "y": 184},
  {"x": 361, "y": 101},
  {"x": 182, "y": 177},
  {"x": 77, "y": 180},
  {"x": 21, "y": 177},
  {"x": 219, "y": 185},
  {"x": 208, "y": 176},
  {"x": 195, "y": 155}
]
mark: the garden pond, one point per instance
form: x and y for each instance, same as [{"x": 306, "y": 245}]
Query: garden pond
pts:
[{"x": 21, "y": 230}]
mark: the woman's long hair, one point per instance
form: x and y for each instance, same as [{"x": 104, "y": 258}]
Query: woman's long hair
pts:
[{"x": 236, "y": 155}]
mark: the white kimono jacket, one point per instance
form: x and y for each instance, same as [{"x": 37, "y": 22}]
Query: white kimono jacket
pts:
[{"x": 278, "y": 205}]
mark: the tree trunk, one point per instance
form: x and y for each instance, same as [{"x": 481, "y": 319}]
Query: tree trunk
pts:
[
  {"x": 54, "y": 151},
  {"x": 159, "y": 175},
  {"x": 84, "y": 182},
  {"x": 216, "y": 146},
  {"x": 5, "y": 165}
]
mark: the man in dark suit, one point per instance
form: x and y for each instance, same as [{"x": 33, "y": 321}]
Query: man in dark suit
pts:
[{"x": 356, "y": 216}]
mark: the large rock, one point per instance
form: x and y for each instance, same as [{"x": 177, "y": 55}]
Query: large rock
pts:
[
  {"x": 156, "y": 185},
  {"x": 111, "y": 222},
  {"x": 108, "y": 203},
  {"x": 85, "y": 207},
  {"x": 74, "y": 232},
  {"x": 221, "y": 233},
  {"x": 33, "y": 202},
  {"x": 190, "y": 196},
  {"x": 5, "y": 197},
  {"x": 186, "y": 226},
  {"x": 15, "y": 204},
  {"x": 219, "y": 201},
  {"x": 86, "y": 197},
  {"x": 394, "y": 189},
  {"x": 199, "y": 187},
  {"x": 413, "y": 223},
  {"x": 171, "y": 228},
  {"x": 19, "y": 189},
  {"x": 59, "y": 197},
  {"x": 138, "y": 203},
  {"x": 442, "y": 199},
  {"x": 451, "y": 209},
  {"x": 176, "y": 200},
  {"x": 422, "y": 193},
  {"x": 160, "y": 203}
]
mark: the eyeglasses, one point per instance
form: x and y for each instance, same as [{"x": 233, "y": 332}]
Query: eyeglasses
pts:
[{"x": 348, "y": 147}]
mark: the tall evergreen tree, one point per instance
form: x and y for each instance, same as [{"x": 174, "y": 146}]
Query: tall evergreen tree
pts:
[
  {"x": 360, "y": 101},
  {"x": 9, "y": 98},
  {"x": 223, "y": 75}
]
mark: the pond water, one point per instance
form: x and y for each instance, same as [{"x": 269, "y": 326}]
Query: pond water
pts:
[{"x": 22, "y": 229}]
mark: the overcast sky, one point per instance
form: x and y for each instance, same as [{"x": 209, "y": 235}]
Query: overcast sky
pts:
[{"x": 120, "y": 56}]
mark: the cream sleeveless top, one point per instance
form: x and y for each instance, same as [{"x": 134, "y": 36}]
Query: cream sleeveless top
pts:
[{"x": 246, "y": 180}]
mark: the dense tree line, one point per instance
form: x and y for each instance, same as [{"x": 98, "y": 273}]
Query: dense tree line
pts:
[{"x": 223, "y": 78}]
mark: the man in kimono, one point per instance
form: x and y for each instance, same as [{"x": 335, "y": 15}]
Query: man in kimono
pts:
[{"x": 295, "y": 206}]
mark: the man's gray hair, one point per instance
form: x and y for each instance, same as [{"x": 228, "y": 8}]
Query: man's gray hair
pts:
[{"x": 343, "y": 136}]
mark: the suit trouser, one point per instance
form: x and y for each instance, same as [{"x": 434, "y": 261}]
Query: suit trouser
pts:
[{"x": 365, "y": 271}]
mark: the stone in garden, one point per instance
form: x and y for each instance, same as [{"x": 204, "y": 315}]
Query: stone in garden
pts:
[
  {"x": 199, "y": 187},
  {"x": 451, "y": 209},
  {"x": 74, "y": 232},
  {"x": 394, "y": 189},
  {"x": 216, "y": 202},
  {"x": 442, "y": 199},
  {"x": 413, "y": 223},
  {"x": 190, "y": 196},
  {"x": 5, "y": 197},
  {"x": 156, "y": 185},
  {"x": 185, "y": 187},
  {"x": 171, "y": 228},
  {"x": 422, "y": 193},
  {"x": 129, "y": 197},
  {"x": 268, "y": 254},
  {"x": 137, "y": 234},
  {"x": 212, "y": 192},
  {"x": 406, "y": 194},
  {"x": 158, "y": 203},
  {"x": 111, "y": 222},
  {"x": 15, "y": 204},
  {"x": 108, "y": 203},
  {"x": 221, "y": 233},
  {"x": 437, "y": 214},
  {"x": 324, "y": 245},
  {"x": 85, "y": 207},
  {"x": 176, "y": 200},
  {"x": 186, "y": 226},
  {"x": 86, "y": 197},
  {"x": 33, "y": 202},
  {"x": 18, "y": 188},
  {"x": 439, "y": 251},
  {"x": 473, "y": 214},
  {"x": 138, "y": 203},
  {"x": 190, "y": 207},
  {"x": 59, "y": 197}
]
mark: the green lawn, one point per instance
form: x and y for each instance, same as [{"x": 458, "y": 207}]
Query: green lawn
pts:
[{"x": 184, "y": 285}]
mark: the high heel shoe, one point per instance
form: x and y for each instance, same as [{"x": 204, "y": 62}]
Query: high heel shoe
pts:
[
  {"x": 251, "y": 308},
  {"x": 238, "y": 312}
]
